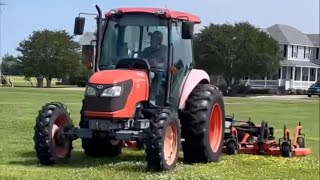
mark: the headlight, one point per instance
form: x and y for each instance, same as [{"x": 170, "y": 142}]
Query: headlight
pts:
[
  {"x": 90, "y": 91},
  {"x": 114, "y": 91}
]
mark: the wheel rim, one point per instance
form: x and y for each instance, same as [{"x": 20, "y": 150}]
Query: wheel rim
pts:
[
  {"x": 215, "y": 129},
  {"x": 170, "y": 144},
  {"x": 59, "y": 150}
]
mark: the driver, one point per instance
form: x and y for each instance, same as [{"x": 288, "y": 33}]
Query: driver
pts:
[{"x": 156, "y": 53}]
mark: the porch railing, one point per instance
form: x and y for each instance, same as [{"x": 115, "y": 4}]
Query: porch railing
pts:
[{"x": 261, "y": 83}]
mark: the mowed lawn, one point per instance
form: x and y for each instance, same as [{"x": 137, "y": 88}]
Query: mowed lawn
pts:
[{"x": 19, "y": 106}]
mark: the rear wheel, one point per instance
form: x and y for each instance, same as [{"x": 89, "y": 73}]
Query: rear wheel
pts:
[
  {"x": 51, "y": 117},
  {"x": 99, "y": 147},
  {"x": 203, "y": 124},
  {"x": 309, "y": 95},
  {"x": 162, "y": 142}
]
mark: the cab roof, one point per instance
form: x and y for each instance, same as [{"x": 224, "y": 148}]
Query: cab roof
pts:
[{"x": 168, "y": 13}]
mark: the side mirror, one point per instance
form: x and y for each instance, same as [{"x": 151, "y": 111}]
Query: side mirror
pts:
[
  {"x": 187, "y": 30},
  {"x": 79, "y": 25},
  {"x": 87, "y": 55}
]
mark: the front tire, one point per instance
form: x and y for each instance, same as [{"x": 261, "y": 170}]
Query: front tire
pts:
[
  {"x": 51, "y": 117},
  {"x": 203, "y": 122},
  {"x": 163, "y": 141}
]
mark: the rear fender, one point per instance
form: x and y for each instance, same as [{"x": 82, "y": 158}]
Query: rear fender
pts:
[{"x": 195, "y": 77}]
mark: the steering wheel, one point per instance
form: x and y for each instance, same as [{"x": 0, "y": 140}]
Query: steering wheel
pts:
[{"x": 137, "y": 63}]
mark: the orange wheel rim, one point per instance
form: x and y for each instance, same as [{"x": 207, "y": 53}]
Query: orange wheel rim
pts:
[
  {"x": 215, "y": 127},
  {"x": 59, "y": 151},
  {"x": 170, "y": 144}
]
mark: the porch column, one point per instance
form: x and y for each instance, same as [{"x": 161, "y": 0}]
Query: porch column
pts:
[
  {"x": 293, "y": 77},
  {"x": 265, "y": 81},
  {"x": 301, "y": 70},
  {"x": 308, "y": 74},
  {"x": 280, "y": 80},
  {"x": 316, "y": 74}
]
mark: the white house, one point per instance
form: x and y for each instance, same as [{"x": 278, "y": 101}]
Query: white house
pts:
[{"x": 300, "y": 59}]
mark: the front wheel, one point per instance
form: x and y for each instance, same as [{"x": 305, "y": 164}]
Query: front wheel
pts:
[
  {"x": 203, "y": 123},
  {"x": 162, "y": 142},
  {"x": 51, "y": 118}
]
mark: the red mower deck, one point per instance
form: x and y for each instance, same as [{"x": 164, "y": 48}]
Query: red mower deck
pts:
[{"x": 248, "y": 138}]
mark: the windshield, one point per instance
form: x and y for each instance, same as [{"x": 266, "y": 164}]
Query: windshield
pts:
[
  {"x": 135, "y": 36},
  {"x": 317, "y": 84}
]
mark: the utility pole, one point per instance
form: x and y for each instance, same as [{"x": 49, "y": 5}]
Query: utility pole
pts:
[{"x": 1, "y": 4}]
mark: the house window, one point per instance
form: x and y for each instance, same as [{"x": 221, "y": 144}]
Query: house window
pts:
[
  {"x": 312, "y": 74},
  {"x": 294, "y": 51},
  {"x": 285, "y": 48},
  {"x": 298, "y": 74},
  {"x": 306, "y": 53},
  {"x": 305, "y": 74},
  {"x": 284, "y": 72},
  {"x": 317, "y": 53}
]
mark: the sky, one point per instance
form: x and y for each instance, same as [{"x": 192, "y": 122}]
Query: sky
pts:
[{"x": 19, "y": 18}]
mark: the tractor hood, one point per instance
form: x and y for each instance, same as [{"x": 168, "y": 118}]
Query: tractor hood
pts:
[{"x": 116, "y": 76}]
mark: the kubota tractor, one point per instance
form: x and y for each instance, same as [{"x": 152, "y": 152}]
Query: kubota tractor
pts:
[{"x": 144, "y": 88}]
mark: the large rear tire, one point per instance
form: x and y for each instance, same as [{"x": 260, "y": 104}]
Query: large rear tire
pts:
[
  {"x": 203, "y": 123},
  {"x": 98, "y": 147},
  {"x": 51, "y": 117},
  {"x": 163, "y": 141}
]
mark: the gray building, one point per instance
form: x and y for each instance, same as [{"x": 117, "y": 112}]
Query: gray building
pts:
[{"x": 300, "y": 59}]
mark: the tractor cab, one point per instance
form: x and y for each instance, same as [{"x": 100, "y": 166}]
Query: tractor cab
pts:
[{"x": 156, "y": 41}]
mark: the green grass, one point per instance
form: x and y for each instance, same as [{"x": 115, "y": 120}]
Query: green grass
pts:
[{"x": 19, "y": 106}]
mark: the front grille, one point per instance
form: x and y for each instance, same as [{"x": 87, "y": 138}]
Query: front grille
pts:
[{"x": 108, "y": 104}]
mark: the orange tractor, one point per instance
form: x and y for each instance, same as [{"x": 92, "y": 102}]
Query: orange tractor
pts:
[{"x": 144, "y": 89}]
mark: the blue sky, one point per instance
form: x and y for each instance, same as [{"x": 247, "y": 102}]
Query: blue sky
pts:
[{"x": 20, "y": 17}]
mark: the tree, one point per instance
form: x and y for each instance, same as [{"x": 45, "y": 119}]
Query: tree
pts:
[
  {"x": 11, "y": 65},
  {"x": 49, "y": 54},
  {"x": 235, "y": 51}
]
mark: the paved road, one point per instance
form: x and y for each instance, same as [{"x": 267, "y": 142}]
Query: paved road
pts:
[{"x": 284, "y": 97}]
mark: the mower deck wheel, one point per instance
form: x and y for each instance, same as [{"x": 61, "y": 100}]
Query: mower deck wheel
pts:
[
  {"x": 300, "y": 141},
  {"x": 231, "y": 148},
  {"x": 286, "y": 149}
]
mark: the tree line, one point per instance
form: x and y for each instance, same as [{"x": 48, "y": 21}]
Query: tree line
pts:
[
  {"x": 228, "y": 50},
  {"x": 47, "y": 54}
]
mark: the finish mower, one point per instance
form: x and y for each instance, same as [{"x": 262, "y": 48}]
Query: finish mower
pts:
[
  {"x": 244, "y": 137},
  {"x": 139, "y": 93}
]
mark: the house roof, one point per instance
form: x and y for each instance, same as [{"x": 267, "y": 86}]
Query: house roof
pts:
[
  {"x": 288, "y": 35},
  {"x": 86, "y": 38},
  {"x": 315, "y": 39},
  {"x": 299, "y": 63}
]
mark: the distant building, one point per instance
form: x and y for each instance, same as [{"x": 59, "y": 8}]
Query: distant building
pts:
[
  {"x": 87, "y": 38},
  {"x": 300, "y": 59}
]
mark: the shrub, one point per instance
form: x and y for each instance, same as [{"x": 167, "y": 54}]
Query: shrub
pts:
[{"x": 80, "y": 78}]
